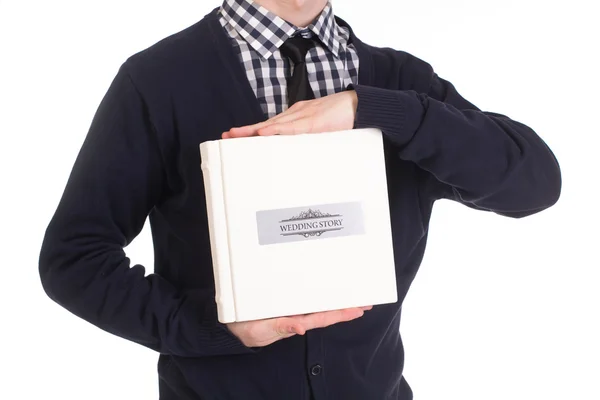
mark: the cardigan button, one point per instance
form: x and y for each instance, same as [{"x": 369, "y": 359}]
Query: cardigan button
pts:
[{"x": 316, "y": 370}]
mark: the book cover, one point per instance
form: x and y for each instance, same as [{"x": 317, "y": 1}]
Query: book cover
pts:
[{"x": 298, "y": 224}]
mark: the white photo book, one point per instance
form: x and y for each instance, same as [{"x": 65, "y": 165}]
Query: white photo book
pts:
[{"x": 298, "y": 223}]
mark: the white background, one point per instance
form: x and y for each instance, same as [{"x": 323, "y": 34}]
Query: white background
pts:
[{"x": 501, "y": 309}]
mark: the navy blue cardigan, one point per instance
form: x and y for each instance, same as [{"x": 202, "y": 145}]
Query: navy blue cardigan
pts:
[{"x": 140, "y": 158}]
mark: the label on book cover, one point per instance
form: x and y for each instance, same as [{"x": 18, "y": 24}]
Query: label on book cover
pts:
[{"x": 310, "y": 223}]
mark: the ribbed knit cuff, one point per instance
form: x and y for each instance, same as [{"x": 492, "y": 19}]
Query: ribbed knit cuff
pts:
[
  {"x": 197, "y": 331},
  {"x": 229, "y": 343},
  {"x": 223, "y": 341},
  {"x": 397, "y": 113}
]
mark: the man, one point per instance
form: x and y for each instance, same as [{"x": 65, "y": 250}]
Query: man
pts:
[{"x": 263, "y": 68}]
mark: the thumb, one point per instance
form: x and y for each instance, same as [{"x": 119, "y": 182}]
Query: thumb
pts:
[{"x": 288, "y": 327}]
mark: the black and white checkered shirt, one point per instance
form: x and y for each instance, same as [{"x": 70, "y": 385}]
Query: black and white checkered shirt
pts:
[{"x": 257, "y": 35}]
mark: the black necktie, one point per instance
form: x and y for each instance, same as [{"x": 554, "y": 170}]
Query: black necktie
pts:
[{"x": 295, "y": 49}]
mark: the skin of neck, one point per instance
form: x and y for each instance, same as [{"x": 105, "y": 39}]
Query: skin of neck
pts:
[{"x": 301, "y": 13}]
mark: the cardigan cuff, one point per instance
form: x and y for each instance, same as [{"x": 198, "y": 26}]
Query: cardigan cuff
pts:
[
  {"x": 222, "y": 341},
  {"x": 397, "y": 113}
]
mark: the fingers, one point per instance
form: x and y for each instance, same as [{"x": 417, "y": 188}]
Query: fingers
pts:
[
  {"x": 243, "y": 131},
  {"x": 289, "y": 115},
  {"x": 303, "y": 323},
  {"x": 321, "y": 320},
  {"x": 293, "y": 127}
]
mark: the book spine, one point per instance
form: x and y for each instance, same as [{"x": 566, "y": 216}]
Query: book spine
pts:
[{"x": 217, "y": 224}]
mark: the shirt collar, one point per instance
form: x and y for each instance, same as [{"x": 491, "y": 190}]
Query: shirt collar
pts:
[{"x": 265, "y": 32}]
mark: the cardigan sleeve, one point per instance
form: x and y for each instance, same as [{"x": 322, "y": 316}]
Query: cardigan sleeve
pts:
[
  {"x": 117, "y": 179},
  {"x": 484, "y": 160}
]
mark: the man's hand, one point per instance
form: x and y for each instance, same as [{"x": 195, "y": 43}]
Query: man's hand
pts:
[
  {"x": 327, "y": 114},
  {"x": 264, "y": 332}
]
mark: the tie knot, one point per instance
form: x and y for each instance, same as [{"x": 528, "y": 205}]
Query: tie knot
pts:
[{"x": 295, "y": 48}]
